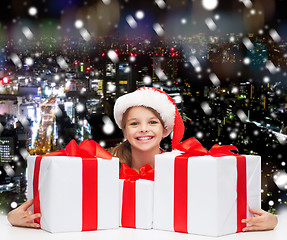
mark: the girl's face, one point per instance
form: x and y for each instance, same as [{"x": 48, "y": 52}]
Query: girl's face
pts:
[{"x": 143, "y": 129}]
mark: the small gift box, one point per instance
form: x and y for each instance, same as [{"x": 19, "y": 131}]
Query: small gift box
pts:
[
  {"x": 205, "y": 192},
  {"x": 73, "y": 189},
  {"x": 136, "y": 197}
]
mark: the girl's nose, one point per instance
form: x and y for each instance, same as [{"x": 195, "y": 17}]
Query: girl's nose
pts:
[{"x": 143, "y": 127}]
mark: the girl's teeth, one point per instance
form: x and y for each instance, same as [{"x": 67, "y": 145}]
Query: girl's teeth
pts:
[{"x": 144, "y": 138}]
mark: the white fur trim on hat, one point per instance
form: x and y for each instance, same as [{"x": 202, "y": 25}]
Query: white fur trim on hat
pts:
[{"x": 147, "y": 97}]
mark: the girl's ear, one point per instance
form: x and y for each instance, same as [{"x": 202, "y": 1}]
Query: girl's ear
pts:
[
  {"x": 124, "y": 133},
  {"x": 164, "y": 134}
]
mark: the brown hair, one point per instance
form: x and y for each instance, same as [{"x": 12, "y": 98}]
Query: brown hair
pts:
[{"x": 123, "y": 150}]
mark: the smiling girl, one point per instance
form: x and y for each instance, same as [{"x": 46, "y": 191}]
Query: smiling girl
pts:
[{"x": 145, "y": 116}]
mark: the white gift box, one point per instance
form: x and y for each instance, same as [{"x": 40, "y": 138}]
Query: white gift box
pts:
[
  {"x": 61, "y": 192},
  {"x": 143, "y": 203},
  {"x": 211, "y": 194}
]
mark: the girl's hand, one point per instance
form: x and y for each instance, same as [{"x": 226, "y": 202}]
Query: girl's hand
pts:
[
  {"x": 21, "y": 217},
  {"x": 264, "y": 221}
]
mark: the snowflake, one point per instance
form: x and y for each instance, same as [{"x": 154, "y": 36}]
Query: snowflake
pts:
[
  {"x": 158, "y": 29},
  {"x": 62, "y": 62},
  {"x": 111, "y": 87},
  {"x": 140, "y": 14},
  {"x": 247, "y": 3},
  {"x": 233, "y": 135},
  {"x": 16, "y": 60},
  {"x": 271, "y": 67},
  {"x": 160, "y": 74},
  {"x": 280, "y": 179},
  {"x": 199, "y": 135},
  {"x": 209, "y": 4},
  {"x": 206, "y": 108},
  {"x": 131, "y": 21},
  {"x": 132, "y": 58},
  {"x": 29, "y": 61},
  {"x": 32, "y": 11},
  {"x": 214, "y": 79},
  {"x": 113, "y": 56},
  {"x": 80, "y": 107},
  {"x": 210, "y": 24},
  {"x": 183, "y": 21},
  {"x": 246, "y": 61},
  {"x": 106, "y": 2},
  {"x": 85, "y": 34},
  {"x": 161, "y": 3},
  {"x": 248, "y": 44},
  {"x": 274, "y": 35},
  {"x": 242, "y": 116},
  {"x": 217, "y": 17},
  {"x": 195, "y": 63},
  {"x": 27, "y": 33},
  {"x": 79, "y": 24},
  {"x": 108, "y": 127}
]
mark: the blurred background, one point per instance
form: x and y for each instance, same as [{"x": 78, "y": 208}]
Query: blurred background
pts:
[{"x": 64, "y": 63}]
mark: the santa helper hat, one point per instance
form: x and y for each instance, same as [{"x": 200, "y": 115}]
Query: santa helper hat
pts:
[{"x": 159, "y": 101}]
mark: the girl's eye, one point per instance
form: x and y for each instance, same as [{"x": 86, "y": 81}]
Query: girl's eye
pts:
[
  {"x": 134, "y": 123},
  {"x": 153, "y": 122}
]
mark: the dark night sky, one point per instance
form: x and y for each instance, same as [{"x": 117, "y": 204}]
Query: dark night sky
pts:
[{"x": 14, "y": 11}]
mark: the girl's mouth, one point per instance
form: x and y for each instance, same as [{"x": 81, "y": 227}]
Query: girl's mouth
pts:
[{"x": 144, "y": 138}]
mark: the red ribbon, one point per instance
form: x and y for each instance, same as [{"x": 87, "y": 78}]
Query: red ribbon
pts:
[
  {"x": 192, "y": 147},
  {"x": 130, "y": 175},
  {"x": 88, "y": 150}
]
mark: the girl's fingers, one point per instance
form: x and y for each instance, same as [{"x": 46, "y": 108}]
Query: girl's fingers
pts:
[
  {"x": 33, "y": 217},
  {"x": 257, "y": 212},
  {"x": 28, "y": 213},
  {"x": 26, "y": 205},
  {"x": 252, "y": 228},
  {"x": 32, "y": 225},
  {"x": 253, "y": 220}
]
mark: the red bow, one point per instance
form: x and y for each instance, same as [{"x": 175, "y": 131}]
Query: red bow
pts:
[
  {"x": 145, "y": 172},
  {"x": 193, "y": 147},
  {"x": 86, "y": 149}
]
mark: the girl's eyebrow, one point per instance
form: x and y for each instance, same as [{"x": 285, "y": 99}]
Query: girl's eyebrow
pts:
[
  {"x": 131, "y": 119},
  {"x": 135, "y": 119}
]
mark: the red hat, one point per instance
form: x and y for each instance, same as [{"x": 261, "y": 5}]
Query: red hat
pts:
[{"x": 159, "y": 101}]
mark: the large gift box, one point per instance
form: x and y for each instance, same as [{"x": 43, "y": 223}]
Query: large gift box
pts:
[
  {"x": 205, "y": 192},
  {"x": 73, "y": 190},
  {"x": 136, "y": 197}
]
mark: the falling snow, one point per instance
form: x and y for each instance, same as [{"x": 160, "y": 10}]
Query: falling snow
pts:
[
  {"x": 214, "y": 79},
  {"x": 108, "y": 127},
  {"x": 209, "y": 4},
  {"x": 206, "y": 108},
  {"x": 79, "y": 24},
  {"x": 210, "y": 24},
  {"x": 33, "y": 11},
  {"x": 147, "y": 80},
  {"x": 160, "y": 74},
  {"x": 161, "y": 3},
  {"x": 85, "y": 34},
  {"x": 131, "y": 21},
  {"x": 28, "y": 33},
  {"x": 113, "y": 56},
  {"x": 158, "y": 29},
  {"x": 140, "y": 15}
]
